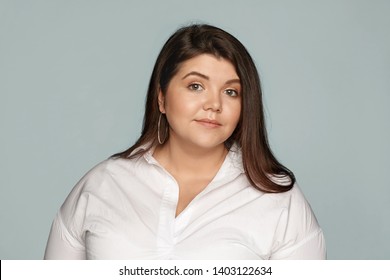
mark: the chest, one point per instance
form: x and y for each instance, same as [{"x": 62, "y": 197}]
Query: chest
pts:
[
  {"x": 188, "y": 190},
  {"x": 225, "y": 223}
]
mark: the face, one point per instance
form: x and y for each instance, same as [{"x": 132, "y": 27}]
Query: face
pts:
[{"x": 202, "y": 102}]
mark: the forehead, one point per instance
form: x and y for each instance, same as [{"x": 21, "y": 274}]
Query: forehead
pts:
[{"x": 209, "y": 65}]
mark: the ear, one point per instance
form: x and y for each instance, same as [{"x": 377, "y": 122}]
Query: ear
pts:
[{"x": 161, "y": 101}]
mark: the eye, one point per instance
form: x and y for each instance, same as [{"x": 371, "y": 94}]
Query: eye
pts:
[
  {"x": 231, "y": 92},
  {"x": 195, "y": 87}
]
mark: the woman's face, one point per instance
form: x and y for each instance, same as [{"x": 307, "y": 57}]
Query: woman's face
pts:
[{"x": 202, "y": 102}]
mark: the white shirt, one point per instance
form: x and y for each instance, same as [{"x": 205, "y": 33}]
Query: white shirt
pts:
[{"x": 125, "y": 209}]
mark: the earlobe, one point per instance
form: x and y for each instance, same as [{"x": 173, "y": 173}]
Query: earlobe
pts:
[{"x": 161, "y": 102}]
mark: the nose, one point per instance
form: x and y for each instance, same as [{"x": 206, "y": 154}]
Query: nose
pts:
[{"x": 213, "y": 102}]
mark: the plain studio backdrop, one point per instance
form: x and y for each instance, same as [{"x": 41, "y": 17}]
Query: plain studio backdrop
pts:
[{"x": 73, "y": 79}]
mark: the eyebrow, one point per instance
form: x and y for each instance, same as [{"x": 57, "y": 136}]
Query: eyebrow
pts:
[{"x": 195, "y": 73}]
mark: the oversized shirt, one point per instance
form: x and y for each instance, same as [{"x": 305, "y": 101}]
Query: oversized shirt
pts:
[{"x": 125, "y": 209}]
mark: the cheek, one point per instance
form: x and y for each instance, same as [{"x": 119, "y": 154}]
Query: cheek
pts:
[
  {"x": 235, "y": 112},
  {"x": 181, "y": 106}
]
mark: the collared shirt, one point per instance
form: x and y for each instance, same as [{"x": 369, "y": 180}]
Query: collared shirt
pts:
[{"x": 125, "y": 209}]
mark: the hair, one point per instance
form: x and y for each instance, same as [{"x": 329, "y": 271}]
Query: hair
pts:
[{"x": 261, "y": 167}]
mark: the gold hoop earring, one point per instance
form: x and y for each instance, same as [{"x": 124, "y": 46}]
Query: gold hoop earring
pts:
[{"x": 158, "y": 131}]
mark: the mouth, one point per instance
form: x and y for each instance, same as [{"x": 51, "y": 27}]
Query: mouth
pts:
[{"x": 208, "y": 122}]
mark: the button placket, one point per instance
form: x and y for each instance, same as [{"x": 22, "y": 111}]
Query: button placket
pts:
[{"x": 165, "y": 235}]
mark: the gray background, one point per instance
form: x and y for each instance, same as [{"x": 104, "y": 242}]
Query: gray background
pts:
[{"x": 73, "y": 77}]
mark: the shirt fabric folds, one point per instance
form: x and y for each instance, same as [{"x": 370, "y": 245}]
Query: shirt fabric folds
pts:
[{"x": 125, "y": 209}]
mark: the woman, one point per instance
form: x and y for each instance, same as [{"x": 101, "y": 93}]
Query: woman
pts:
[{"x": 201, "y": 181}]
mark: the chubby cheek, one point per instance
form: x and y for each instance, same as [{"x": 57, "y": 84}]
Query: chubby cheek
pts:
[
  {"x": 234, "y": 124},
  {"x": 233, "y": 113},
  {"x": 181, "y": 108}
]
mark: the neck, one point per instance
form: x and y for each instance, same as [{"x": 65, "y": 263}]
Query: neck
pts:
[{"x": 186, "y": 159}]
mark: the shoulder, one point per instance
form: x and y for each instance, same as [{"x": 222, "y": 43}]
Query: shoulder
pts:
[
  {"x": 298, "y": 229},
  {"x": 106, "y": 171},
  {"x": 293, "y": 197},
  {"x": 295, "y": 207},
  {"x": 98, "y": 181}
]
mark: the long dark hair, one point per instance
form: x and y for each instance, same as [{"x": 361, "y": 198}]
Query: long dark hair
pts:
[{"x": 261, "y": 167}]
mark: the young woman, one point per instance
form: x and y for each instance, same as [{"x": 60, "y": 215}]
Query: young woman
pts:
[{"x": 201, "y": 181}]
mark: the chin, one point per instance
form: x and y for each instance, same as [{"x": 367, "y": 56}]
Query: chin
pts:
[{"x": 207, "y": 144}]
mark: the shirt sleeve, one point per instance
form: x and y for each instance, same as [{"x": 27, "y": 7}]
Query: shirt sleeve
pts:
[
  {"x": 67, "y": 234},
  {"x": 298, "y": 235},
  {"x": 61, "y": 244}
]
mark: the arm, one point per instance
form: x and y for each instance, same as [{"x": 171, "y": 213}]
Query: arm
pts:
[
  {"x": 312, "y": 248},
  {"x": 61, "y": 245}
]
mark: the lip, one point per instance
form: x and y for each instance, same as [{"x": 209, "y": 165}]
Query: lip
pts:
[{"x": 208, "y": 122}]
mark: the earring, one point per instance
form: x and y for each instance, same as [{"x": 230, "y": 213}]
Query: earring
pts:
[{"x": 158, "y": 131}]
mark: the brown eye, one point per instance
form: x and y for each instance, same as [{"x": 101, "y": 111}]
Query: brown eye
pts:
[
  {"x": 195, "y": 87},
  {"x": 231, "y": 92}
]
